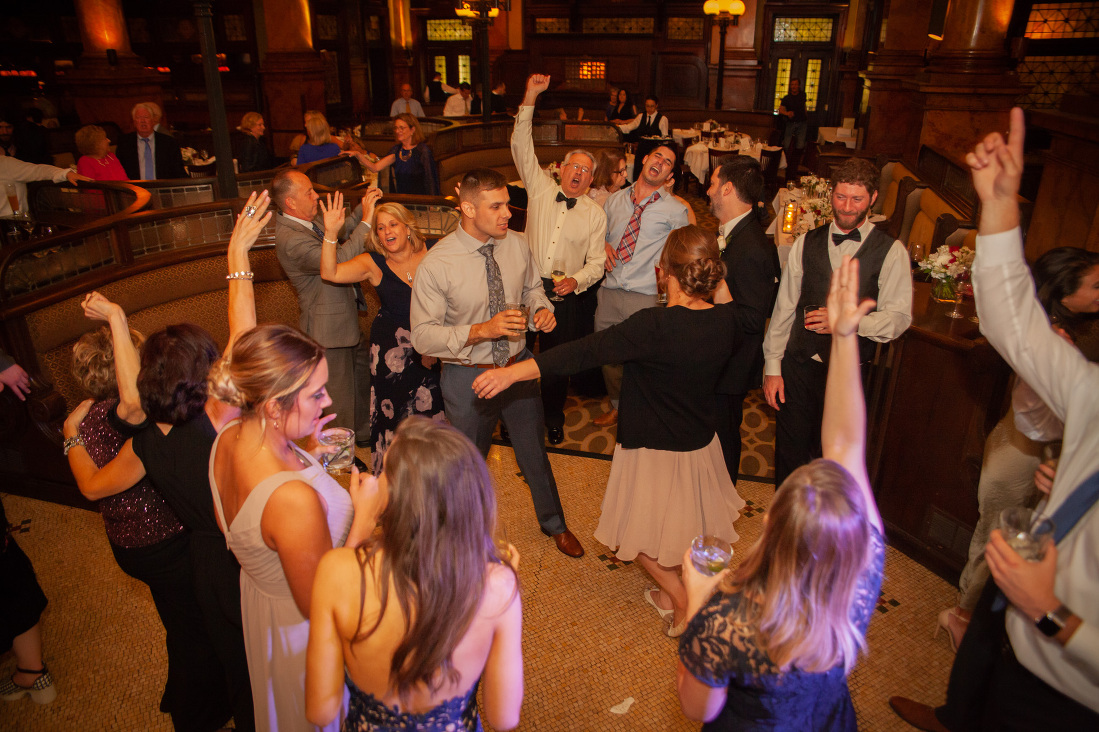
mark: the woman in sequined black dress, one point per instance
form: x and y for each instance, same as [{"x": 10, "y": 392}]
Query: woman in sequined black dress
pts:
[{"x": 410, "y": 664}]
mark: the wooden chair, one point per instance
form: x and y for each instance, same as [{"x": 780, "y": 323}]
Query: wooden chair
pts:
[
  {"x": 895, "y": 223},
  {"x": 769, "y": 160},
  {"x": 716, "y": 157}
]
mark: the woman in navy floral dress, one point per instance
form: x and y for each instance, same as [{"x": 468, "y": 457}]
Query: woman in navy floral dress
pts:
[{"x": 402, "y": 382}]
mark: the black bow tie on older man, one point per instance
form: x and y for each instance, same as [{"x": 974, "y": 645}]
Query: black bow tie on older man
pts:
[
  {"x": 853, "y": 235},
  {"x": 569, "y": 202}
]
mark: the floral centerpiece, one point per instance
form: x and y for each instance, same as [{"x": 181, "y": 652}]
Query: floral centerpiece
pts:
[
  {"x": 814, "y": 201},
  {"x": 189, "y": 154},
  {"x": 815, "y": 187},
  {"x": 553, "y": 170},
  {"x": 948, "y": 267}
]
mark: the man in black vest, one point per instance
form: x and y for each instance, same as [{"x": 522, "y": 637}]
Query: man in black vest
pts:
[
  {"x": 797, "y": 344},
  {"x": 650, "y": 124},
  {"x": 752, "y": 273}
]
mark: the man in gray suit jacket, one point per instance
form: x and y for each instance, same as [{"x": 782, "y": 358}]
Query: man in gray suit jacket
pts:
[{"x": 329, "y": 311}]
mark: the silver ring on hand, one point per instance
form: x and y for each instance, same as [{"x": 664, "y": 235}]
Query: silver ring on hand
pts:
[{"x": 249, "y": 211}]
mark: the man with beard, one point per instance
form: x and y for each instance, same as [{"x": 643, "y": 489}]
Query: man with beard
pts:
[
  {"x": 461, "y": 314},
  {"x": 639, "y": 219},
  {"x": 564, "y": 227},
  {"x": 751, "y": 272},
  {"x": 797, "y": 343}
]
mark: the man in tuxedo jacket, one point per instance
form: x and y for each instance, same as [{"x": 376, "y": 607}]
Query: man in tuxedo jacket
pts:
[
  {"x": 752, "y": 274},
  {"x": 146, "y": 154},
  {"x": 329, "y": 311}
]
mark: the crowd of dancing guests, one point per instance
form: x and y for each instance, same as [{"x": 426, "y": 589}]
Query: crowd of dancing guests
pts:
[{"x": 289, "y": 602}]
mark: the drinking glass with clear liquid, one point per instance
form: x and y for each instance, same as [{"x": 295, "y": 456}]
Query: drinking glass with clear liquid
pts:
[
  {"x": 342, "y": 440},
  {"x": 13, "y": 197},
  {"x": 710, "y": 555},
  {"x": 1026, "y": 531},
  {"x": 557, "y": 274}
]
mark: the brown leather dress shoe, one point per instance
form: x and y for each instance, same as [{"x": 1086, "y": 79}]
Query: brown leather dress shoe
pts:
[
  {"x": 608, "y": 419},
  {"x": 568, "y": 544},
  {"x": 920, "y": 716}
]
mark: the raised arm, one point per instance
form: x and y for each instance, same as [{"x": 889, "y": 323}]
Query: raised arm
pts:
[
  {"x": 522, "y": 140},
  {"x": 358, "y": 268},
  {"x": 127, "y": 362},
  {"x": 242, "y": 296},
  {"x": 375, "y": 166},
  {"x": 843, "y": 429}
]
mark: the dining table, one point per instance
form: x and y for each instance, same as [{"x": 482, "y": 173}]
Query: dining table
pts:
[{"x": 697, "y": 156}]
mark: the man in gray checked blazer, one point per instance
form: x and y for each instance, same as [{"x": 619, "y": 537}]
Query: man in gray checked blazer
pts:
[{"x": 329, "y": 311}]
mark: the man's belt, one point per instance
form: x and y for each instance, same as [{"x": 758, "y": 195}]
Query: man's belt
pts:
[{"x": 511, "y": 360}]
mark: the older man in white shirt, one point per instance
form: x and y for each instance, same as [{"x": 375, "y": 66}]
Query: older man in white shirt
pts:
[
  {"x": 565, "y": 230},
  {"x": 405, "y": 104}
]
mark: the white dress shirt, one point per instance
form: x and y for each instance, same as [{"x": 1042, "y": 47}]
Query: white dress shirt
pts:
[
  {"x": 1032, "y": 417},
  {"x": 891, "y": 318},
  {"x": 631, "y": 126},
  {"x": 450, "y": 295},
  {"x": 18, "y": 172},
  {"x": 402, "y": 105},
  {"x": 1062, "y": 377},
  {"x": 724, "y": 229},
  {"x": 553, "y": 230},
  {"x": 456, "y": 106}
]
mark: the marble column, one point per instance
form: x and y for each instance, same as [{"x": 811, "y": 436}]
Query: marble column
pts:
[
  {"x": 967, "y": 85},
  {"x": 101, "y": 90},
  {"x": 893, "y": 119},
  {"x": 291, "y": 72}
]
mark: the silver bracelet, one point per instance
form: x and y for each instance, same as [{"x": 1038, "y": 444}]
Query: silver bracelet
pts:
[
  {"x": 239, "y": 276},
  {"x": 70, "y": 443},
  {"x": 326, "y": 240}
]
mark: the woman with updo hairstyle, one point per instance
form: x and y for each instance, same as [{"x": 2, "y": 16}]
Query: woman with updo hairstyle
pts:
[
  {"x": 769, "y": 644},
  {"x": 402, "y": 382},
  {"x": 406, "y": 632},
  {"x": 668, "y": 481},
  {"x": 278, "y": 508}
]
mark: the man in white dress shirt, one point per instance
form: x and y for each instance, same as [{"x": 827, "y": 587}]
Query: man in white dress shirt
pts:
[
  {"x": 563, "y": 227},
  {"x": 405, "y": 104},
  {"x": 650, "y": 124},
  {"x": 1030, "y": 659},
  {"x": 796, "y": 347},
  {"x": 458, "y": 105}
]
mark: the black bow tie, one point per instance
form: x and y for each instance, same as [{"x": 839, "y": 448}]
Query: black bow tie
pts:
[
  {"x": 569, "y": 202},
  {"x": 853, "y": 235}
]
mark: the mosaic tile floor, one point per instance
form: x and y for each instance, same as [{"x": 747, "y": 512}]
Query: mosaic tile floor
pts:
[{"x": 590, "y": 641}]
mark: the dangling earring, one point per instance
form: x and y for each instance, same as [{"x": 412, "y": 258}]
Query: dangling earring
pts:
[
  {"x": 276, "y": 424},
  {"x": 410, "y": 236}
]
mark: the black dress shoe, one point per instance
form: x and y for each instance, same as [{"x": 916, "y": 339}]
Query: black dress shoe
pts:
[
  {"x": 360, "y": 465},
  {"x": 504, "y": 436},
  {"x": 555, "y": 435}
]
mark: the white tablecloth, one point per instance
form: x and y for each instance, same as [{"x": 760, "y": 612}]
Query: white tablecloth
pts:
[
  {"x": 836, "y": 134},
  {"x": 697, "y": 156},
  {"x": 684, "y": 136}
]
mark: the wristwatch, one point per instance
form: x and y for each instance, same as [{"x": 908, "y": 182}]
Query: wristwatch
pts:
[
  {"x": 1054, "y": 621},
  {"x": 70, "y": 443}
]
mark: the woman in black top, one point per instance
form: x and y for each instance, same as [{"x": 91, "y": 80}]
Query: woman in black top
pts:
[
  {"x": 668, "y": 481},
  {"x": 624, "y": 110}
]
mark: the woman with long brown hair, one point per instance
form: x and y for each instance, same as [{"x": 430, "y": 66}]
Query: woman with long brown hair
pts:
[
  {"x": 773, "y": 647},
  {"x": 668, "y": 479},
  {"x": 610, "y": 175},
  {"x": 412, "y": 620}
]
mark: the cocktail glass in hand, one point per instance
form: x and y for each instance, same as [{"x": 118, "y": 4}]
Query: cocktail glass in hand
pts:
[
  {"x": 661, "y": 292},
  {"x": 13, "y": 197},
  {"x": 710, "y": 555},
  {"x": 558, "y": 274},
  {"x": 524, "y": 311},
  {"x": 1026, "y": 531},
  {"x": 342, "y": 440}
]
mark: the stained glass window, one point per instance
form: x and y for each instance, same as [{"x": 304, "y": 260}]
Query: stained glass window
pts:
[
  {"x": 1051, "y": 76},
  {"x": 782, "y": 81},
  {"x": 463, "y": 69},
  {"x": 1063, "y": 20},
  {"x": 440, "y": 66},
  {"x": 586, "y": 74},
  {"x": 812, "y": 84},
  {"x": 551, "y": 25},
  {"x": 620, "y": 26},
  {"x": 449, "y": 30},
  {"x": 685, "y": 29},
  {"x": 803, "y": 30}
]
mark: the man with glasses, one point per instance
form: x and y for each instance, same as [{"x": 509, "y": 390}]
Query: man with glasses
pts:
[{"x": 565, "y": 230}]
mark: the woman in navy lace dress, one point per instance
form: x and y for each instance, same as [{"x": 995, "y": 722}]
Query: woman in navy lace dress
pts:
[
  {"x": 773, "y": 647},
  {"x": 402, "y": 382},
  {"x": 410, "y": 664}
]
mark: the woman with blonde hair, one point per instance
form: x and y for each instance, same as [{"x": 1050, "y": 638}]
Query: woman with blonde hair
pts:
[
  {"x": 773, "y": 647},
  {"x": 97, "y": 161},
  {"x": 248, "y": 148},
  {"x": 410, "y": 162},
  {"x": 668, "y": 479},
  {"x": 402, "y": 382},
  {"x": 413, "y": 621},
  {"x": 319, "y": 144}
]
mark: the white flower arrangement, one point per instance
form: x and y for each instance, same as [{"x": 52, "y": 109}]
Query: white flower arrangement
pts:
[
  {"x": 189, "y": 154},
  {"x": 946, "y": 262},
  {"x": 815, "y": 187}
]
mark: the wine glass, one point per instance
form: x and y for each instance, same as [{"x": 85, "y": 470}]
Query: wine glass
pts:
[
  {"x": 958, "y": 295},
  {"x": 558, "y": 274}
]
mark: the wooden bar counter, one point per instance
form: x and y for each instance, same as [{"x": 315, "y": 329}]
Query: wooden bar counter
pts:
[{"x": 935, "y": 395}]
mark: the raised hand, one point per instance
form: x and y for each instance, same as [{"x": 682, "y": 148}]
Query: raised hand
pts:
[
  {"x": 997, "y": 166},
  {"x": 97, "y": 307},
  {"x": 370, "y": 200},
  {"x": 844, "y": 309},
  {"x": 248, "y": 228},
  {"x": 333, "y": 214},
  {"x": 536, "y": 84},
  {"x": 71, "y": 427}
]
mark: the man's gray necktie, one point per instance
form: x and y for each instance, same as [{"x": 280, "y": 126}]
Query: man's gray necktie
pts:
[
  {"x": 500, "y": 347},
  {"x": 148, "y": 168}
]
